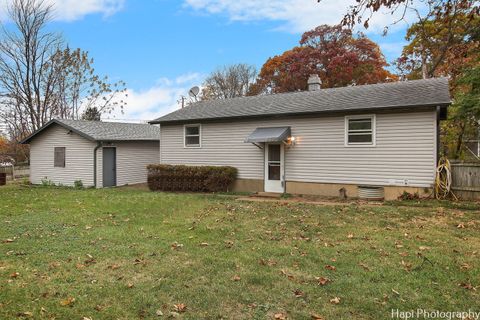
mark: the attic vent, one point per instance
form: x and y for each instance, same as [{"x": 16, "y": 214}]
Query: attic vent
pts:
[{"x": 370, "y": 193}]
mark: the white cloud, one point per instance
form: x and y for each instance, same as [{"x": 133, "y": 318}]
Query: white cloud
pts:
[
  {"x": 297, "y": 15},
  {"x": 70, "y": 10},
  {"x": 162, "y": 98}
]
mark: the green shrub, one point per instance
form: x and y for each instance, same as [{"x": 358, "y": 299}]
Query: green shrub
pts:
[
  {"x": 47, "y": 182},
  {"x": 78, "y": 184},
  {"x": 162, "y": 177}
]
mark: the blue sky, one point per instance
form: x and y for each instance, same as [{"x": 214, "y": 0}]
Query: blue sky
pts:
[{"x": 163, "y": 47}]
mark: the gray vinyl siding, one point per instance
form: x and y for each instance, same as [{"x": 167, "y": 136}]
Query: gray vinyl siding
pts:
[
  {"x": 132, "y": 161},
  {"x": 78, "y": 158},
  {"x": 405, "y": 150}
]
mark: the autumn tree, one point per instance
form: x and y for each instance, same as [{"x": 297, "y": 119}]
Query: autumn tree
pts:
[
  {"x": 441, "y": 46},
  {"x": 229, "y": 82},
  {"x": 40, "y": 79},
  {"x": 332, "y": 52}
]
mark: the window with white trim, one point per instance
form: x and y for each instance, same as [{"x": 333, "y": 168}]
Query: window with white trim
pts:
[
  {"x": 192, "y": 136},
  {"x": 360, "y": 130}
]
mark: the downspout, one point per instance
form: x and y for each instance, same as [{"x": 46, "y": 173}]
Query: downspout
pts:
[
  {"x": 99, "y": 144},
  {"x": 438, "y": 135}
]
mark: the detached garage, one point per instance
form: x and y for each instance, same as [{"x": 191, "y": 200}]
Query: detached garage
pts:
[{"x": 99, "y": 154}]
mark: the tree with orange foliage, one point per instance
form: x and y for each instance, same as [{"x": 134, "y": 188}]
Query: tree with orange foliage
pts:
[{"x": 332, "y": 52}]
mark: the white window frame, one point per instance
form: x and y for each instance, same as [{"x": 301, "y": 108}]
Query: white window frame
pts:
[
  {"x": 192, "y": 135},
  {"x": 373, "y": 118}
]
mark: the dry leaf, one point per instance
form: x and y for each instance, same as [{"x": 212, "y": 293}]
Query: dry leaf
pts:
[
  {"x": 26, "y": 314},
  {"x": 329, "y": 267},
  {"x": 279, "y": 316},
  {"x": 465, "y": 266},
  {"x": 8, "y": 241},
  {"x": 335, "y": 300},
  {"x": 159, "y": 313},
  {"x": 423, "y": 248},
  {"x": 350, "y": 236},
  {"x": 180, "y": 307},
  {"x": 68, "y": 301},
  {"x": 236, "y": 278},
  {"x": 468, "y": 286},
  {"x": 204, "y": 244},
  {"x": 130, "y": 285},
  {"x": 322, "y": 281},
  {"x": 298, "y": 293},
  {"x": 316, "y": 317},
  {"x": 14, "y": 275},
  {"x": 364, "y": 266},
  {"x": 461, "y": 226}
]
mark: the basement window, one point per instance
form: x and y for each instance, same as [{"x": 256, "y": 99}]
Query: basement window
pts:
[
  {"x": 192, "y": 136},
  {"x": 59, "y": 157},
  {"x": 360, "y": 130}
]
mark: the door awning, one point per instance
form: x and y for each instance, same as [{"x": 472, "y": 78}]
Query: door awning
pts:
[{"x": 272, "y": 134}]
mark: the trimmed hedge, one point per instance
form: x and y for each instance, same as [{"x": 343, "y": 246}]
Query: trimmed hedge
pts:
[{"x": 163, "y": 177}]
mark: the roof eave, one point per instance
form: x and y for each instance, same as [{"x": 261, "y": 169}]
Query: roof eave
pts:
[
  {"x": 159, "y": 121},
  {"x": 55, "y": 121}
]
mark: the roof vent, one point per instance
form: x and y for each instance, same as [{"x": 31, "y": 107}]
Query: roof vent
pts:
[{"x": 314, "y": 82}]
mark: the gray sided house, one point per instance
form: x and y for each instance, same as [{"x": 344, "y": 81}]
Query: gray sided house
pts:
[
  {"x": 318, "y": 141},
  {"x": 100, "y": 154}
]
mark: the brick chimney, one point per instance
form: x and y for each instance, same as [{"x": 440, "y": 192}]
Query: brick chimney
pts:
[{"x": 314, "y": 82}]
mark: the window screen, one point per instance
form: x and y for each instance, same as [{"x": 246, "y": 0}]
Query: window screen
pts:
[{"x": 59, "y": 157}]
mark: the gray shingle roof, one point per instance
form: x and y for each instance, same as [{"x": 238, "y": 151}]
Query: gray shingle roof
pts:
[
  {"x": 105, "y": 131},
  {"x": 401, "y": 94}
]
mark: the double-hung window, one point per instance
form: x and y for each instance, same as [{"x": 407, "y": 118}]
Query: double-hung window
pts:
[
  {"x": 192, "y": 136},
  {"x": 360, "y": 130}
]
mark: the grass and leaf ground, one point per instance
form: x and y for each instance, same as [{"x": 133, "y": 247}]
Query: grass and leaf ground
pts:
[{"x": 130, "y": 254}]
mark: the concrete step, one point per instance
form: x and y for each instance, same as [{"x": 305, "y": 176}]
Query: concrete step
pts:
[{"x": 268, "y": 195}]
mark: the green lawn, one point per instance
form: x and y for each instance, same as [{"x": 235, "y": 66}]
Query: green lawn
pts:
[{"x": 129, "y": 254}]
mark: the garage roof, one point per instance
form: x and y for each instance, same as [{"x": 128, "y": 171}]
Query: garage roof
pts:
[
  {"x": 104, "y": 131},
  {"x": 393, "y": 95}
]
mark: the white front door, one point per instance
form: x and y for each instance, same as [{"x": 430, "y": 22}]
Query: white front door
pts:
[{"x": 274, "y": 173}]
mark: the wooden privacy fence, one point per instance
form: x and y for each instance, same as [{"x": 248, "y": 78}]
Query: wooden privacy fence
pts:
[
  {"x": 466, "y": 180},
  {"x": 16, "y": 172}
]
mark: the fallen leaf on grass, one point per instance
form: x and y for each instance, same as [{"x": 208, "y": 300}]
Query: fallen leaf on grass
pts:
[
  {"x": 8, "y": 241},
  {"x": 268, "y": 262},
  {"x": 14, "y": 275},
  {"x": 204, "y": 244},
  {"x": 350, "y": 236},
  {"x": 316, "y": 317},
  {"x": 322, "y": 281},
  {"x": 159, "y": 313},
  {"x": 279, "y": 316},
  {"x": 289, "y": 276},
  {"x": 423, "y": 248},
  {"x": 113, "y": 267},
  {"x": 468, "y": 286},
  {"x": 67, "y": 302},
  {"x": 180, "y": 307},
  {"x": 335, "y": 300},
  {"x": 461, "y": 226},
  {"x": 298, "y": 293},
  {"x": 130, "y": 285},
  {"x": 465, "y": 266},
  {"x": 396, "y": 292},
  {"x": 364, "y": 266},
  {"x": 236, "y": 278},
  {"x": 26, "y": 314},
  {"x": 329, "y": 267},
  {"x": 176, "y": 246}
]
